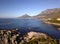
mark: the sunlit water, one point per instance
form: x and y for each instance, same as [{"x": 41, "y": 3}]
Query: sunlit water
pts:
[{"x": 27, "y": 25}]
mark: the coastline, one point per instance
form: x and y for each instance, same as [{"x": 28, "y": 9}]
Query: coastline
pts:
[{"x": 56, "y": 25}]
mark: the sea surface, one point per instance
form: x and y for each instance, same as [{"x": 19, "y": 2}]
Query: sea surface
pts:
[{"x": 27, "y": 25}]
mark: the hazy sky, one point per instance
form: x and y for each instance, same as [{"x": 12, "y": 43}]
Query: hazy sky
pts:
[{"x": 15, "y": 8}]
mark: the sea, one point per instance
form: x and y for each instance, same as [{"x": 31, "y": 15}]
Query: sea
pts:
[{"x": 28, "y": 25}]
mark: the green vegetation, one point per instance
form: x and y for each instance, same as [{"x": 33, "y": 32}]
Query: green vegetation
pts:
[
  {"x": 41, "y": 41},
  {"x": 54, "y": 21}
]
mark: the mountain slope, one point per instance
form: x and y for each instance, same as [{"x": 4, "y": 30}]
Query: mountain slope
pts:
[{"x": 50, "y": 13}]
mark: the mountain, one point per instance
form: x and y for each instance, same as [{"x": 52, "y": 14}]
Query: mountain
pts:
[
  {"x": 25, "y": 16},
  {"x": 50, "y": 13}
]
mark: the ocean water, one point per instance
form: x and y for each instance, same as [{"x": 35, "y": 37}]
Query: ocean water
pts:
[{"x": 27, "y": 25}]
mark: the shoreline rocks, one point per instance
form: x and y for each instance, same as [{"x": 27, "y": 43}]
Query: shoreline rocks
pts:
[
  {"x": 14, "y": 37},
  {"x": 9, "y": 37}
]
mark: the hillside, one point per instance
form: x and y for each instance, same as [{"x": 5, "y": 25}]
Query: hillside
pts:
[
  {"x": 51, "y": 16},
  {"x": 50, "y": 13}
]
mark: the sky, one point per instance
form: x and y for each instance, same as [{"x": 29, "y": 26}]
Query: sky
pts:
[{"x": 16, "y": 8}]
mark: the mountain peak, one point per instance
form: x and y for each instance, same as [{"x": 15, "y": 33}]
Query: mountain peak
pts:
[{"x": 25, "y": 16}]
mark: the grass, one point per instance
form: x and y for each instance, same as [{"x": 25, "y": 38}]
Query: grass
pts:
[{"x": 54, "y": 21}]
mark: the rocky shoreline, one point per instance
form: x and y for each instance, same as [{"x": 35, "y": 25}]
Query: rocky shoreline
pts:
[
  {"x": 14, "y": 37},
  {"x": 10, "y": 37}
]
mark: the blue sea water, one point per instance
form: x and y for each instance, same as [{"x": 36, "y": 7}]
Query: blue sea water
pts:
[{"x": 27, "y": 25}]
